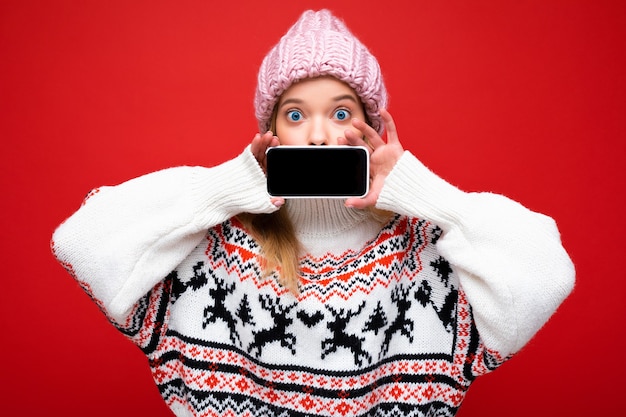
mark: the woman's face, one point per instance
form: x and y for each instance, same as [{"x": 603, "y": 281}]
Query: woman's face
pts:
[{"x": 316, "y": 112}]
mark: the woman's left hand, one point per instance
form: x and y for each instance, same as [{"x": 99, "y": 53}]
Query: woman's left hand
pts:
[{"x": 383, "y": 155}]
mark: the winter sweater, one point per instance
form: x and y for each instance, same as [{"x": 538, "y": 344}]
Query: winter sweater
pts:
[{"x": 391, "y": 320}]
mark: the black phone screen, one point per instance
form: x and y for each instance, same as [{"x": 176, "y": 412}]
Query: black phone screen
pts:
[{"x": 317, "y": 171}]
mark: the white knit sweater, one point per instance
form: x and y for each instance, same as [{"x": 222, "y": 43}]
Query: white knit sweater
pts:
[{"x": 394, "y": 320}]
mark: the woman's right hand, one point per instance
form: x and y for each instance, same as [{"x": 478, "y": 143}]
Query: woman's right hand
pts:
[{"x": 259, "y": 145}]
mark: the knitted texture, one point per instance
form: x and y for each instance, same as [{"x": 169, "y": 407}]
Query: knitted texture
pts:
[
  {"x": 384, "y": 330},
  {"x": 319, "y": 44},
  {"x": 383, "y": 324}
]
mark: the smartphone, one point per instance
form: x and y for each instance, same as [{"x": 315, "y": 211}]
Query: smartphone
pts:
[{"x": 317, "y": 171}]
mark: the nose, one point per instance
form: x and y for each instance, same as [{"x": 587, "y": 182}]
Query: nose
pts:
[{"x": 320, "y": 132}]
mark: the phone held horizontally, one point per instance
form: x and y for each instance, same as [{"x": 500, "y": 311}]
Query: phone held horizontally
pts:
[{"x": 317, "y": 171}]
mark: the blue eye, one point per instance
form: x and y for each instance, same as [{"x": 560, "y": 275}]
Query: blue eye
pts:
[
  {"x": 294, "y": 115},
  {"x": 342, "y": 114}
]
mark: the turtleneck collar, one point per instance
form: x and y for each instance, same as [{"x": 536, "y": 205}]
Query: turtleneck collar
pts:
[{"x": 323, "y": 217}]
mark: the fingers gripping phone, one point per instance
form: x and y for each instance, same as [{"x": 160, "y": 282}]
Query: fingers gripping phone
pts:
[{"x": 317, "y": 171}]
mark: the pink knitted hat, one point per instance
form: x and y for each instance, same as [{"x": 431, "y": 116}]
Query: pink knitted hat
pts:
[{"x": 319, "y": 44}]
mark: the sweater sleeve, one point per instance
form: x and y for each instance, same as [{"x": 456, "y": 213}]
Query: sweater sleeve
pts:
[
  {"x": 510, "y": 260},
  {"x": 125, "y": 239}
]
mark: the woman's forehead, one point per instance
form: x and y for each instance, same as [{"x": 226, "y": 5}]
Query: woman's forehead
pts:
[{"x": 322, "y": 87}]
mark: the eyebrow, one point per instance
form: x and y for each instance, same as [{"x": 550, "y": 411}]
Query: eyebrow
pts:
[
  {"x": 337, "y": 98},
  {"x": 291, "y": 101},
  {"x": 346, "y": 97}
]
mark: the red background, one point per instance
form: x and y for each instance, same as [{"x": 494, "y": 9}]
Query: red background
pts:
[{"x": 524, "y": 98}]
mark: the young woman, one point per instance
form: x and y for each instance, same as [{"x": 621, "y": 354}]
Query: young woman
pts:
[{"x": 391, "y": 304}]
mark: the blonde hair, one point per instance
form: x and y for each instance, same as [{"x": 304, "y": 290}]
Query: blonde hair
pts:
[{"x": 280, "y": 247}]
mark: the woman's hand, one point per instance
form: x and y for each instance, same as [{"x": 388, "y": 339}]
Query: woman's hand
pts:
[
  {"x": 259, "y": 145},
  {"x": 383, "y": 155}
]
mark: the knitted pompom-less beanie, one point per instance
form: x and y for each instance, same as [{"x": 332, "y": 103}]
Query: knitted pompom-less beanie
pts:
[{"x": 319, "y": 44}]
